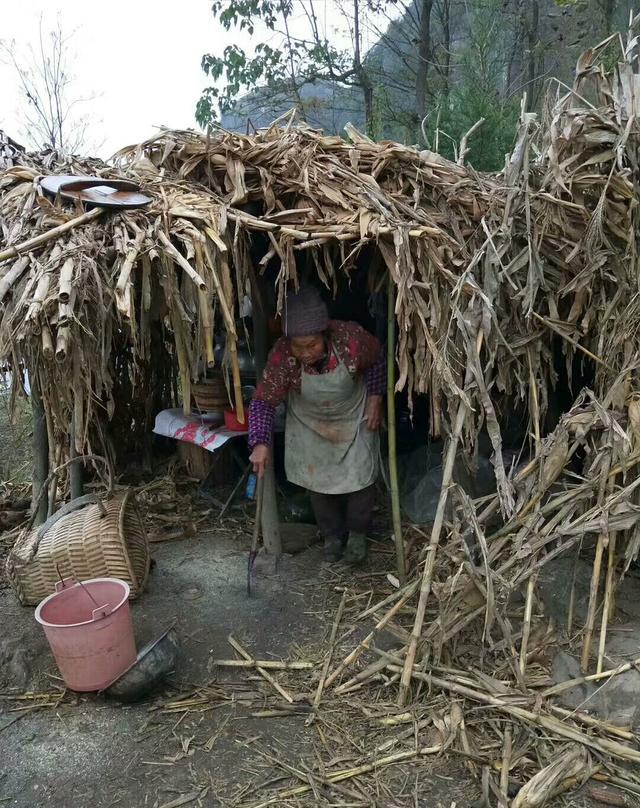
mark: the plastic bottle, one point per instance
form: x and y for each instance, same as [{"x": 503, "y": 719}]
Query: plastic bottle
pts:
[{"x": 250, "y": 491}]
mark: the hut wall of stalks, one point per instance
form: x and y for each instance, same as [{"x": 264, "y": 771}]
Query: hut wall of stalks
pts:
[{"x": 490, "y": 270}]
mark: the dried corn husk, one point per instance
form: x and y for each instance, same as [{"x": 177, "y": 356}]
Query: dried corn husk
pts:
[{"x": 570, "y": 769}]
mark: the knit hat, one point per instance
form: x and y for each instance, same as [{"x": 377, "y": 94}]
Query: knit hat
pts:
[{"x": 305, "y": 313}]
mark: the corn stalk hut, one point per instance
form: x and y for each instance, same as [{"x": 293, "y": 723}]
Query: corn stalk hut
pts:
[{"x": 495, "y": 278}]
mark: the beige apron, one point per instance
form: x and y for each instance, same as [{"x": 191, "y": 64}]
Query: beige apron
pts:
[{"x": 329, "y": 448}]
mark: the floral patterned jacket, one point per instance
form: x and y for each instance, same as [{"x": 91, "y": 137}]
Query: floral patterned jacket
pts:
[{"x": 360, "y": 351}]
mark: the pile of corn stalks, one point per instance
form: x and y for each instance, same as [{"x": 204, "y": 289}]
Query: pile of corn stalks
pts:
[
  {"x": 478, "y": 686},
  {"x": 469, "y": 668}
]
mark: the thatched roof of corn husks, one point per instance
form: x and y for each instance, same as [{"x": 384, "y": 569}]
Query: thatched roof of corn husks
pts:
[{"x": 489, "y": 269}]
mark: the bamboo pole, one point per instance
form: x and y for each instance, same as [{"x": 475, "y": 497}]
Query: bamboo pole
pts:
[
  {"x": 230, "y": 327},
  {"x": 607, "y": 602},
  {"x": 47, "y": 342},
  {"x": 183, "y": 361},
  {"x": 391, "y": 426},
  {"x": 572, "y": 595},
  {"x": 37, "y": 300},
  {"x": 43, "y": 238},
  {"x": 207, "y": 327},
  {"x": 595, "y": 582},
  {"x": 65, "y": 281},
  {"x": 272, "y": 664},
  {"x": 535, "y": 407},
  {"x": 40, "y": 444},
  {"x": 425, "y": 586},
  {"x": 13, "y": 275},
  {"x": 235, "y": 375},
  {"x": 65, "y": 310},
  {"x": 63, "y": 340}
]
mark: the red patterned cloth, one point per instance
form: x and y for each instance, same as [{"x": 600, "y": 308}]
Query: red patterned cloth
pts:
[{"x": 360, "y": 351}]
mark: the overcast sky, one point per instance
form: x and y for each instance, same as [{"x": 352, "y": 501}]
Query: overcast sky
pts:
[{"x": 140, "y": 58}]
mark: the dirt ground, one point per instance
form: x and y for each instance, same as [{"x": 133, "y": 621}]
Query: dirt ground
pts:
[
  {"x": 89, "y": 752},
  {"x": 86, "y": 752}
]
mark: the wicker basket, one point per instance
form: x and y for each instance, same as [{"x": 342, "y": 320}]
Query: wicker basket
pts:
[
  {"x": 102, "y": 540},
  {"x": 210, "y": 395}
]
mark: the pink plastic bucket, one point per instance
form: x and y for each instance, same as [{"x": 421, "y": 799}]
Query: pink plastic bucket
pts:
[{"x": 90, "y": 632}]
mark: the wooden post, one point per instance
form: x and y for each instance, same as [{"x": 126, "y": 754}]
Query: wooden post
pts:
[
  {"x": 391, "y": 425},
  {"x": 269, "y": 521},
  {"x": 40, "y": 446}
]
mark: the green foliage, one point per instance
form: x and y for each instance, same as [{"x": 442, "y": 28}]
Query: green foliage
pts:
[
  {"x": 244, "y": 14},
  {"x": 281, "y": 69},
  {"x": 495, "y": 49},
  {"x": 477, "y": 95},
  {"x": 239, "y": 72},
  {"x": 492, "y": 141}
]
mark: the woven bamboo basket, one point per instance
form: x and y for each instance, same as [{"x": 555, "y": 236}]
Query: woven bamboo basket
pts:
[
  {"x": 102, "y": 540},
  {"x": 210, "y": 395}
]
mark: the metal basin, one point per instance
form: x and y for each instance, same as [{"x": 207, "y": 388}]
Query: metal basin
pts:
[{"x": 154, "y": 662}]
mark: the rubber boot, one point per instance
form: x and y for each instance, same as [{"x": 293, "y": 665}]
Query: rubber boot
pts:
[
  {"x": 332, "y": 550},
  {"x": 356, "y": 552}
]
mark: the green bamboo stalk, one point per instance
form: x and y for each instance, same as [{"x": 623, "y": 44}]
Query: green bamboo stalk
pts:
[{"x": 391, "y": 424}]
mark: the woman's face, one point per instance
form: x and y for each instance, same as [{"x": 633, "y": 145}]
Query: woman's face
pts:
[{"x": 308, "y": 350}]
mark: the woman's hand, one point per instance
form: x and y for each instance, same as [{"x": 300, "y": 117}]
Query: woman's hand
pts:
[
  {"x": 260, "y": 457},
  {"x": 373, "y": 412}
]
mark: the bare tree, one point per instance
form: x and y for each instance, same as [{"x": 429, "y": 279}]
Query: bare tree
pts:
[{"x": 52, "y": 115}]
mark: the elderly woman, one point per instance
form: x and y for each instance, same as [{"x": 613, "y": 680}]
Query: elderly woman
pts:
[{"x": 332, "y": 375}]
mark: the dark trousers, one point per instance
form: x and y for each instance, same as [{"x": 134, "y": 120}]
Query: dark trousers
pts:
[{"x": 338, "y": 514}]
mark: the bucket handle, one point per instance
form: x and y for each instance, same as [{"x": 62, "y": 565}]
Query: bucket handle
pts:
[
  {"x": 100, "y": 612},
  {"x": 96, "y": 614},
  {"x": 63, "y": 583}
]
